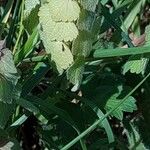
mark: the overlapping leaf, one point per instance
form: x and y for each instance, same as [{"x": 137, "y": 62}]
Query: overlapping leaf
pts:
[
  {"x": 64, "y": 10},
  {"x": 30, "y": 5},
  {"x": 59, "y": 31},
  {"x": 60, "y": 53},
  {"x": 75, "y": 72},
  {"x": 89, "y": 5},
  {"x": 8, "y": 76}
]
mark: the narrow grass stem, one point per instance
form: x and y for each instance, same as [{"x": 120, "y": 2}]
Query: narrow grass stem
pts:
[
  {"x": 21, "y": 27},
  {"x": 94, "y": 125}
]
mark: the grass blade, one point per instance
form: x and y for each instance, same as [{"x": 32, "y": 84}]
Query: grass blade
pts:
[{"x": 94, "y": 125}]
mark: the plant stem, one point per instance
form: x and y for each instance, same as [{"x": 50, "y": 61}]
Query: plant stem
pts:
[{"x": 94, "y": 125}]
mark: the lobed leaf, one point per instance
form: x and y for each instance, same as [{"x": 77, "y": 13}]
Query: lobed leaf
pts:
[
  {"x": 64, "y": 10},
  {"x": 59, "y": 31}
]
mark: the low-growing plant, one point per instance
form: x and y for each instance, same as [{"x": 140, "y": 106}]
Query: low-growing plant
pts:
[{"x": 74, "y": 74}]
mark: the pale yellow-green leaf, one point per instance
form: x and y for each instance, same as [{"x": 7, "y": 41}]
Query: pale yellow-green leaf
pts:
[
  {"x": 60, "y": 53},
  {"x": 59, "y": 31},
  {"x": 64, "y": 10}
]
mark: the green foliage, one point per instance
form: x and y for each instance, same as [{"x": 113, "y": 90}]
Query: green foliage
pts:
[
  {"x": 128, "y": 106},
  {"x": 66, "y": 79}
]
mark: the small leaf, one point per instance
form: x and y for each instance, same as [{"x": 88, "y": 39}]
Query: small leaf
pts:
[
  {"x": 64, "y": 10},
  {"x": 135, "y": 64},
  {"x": 128, "y": 106}
]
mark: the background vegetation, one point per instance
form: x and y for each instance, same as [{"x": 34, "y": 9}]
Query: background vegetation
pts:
[{"x": 74, "y": 74}]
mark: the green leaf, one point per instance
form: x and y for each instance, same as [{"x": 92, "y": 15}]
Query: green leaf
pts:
[
  {"x": 7, "y": 66},
  {"x": 31, "y": 21},
  {"x": 64, "y": 10},
  {"x": 128, "y": 106},
  {"x": 60, "y": 53},
  {"x": 135, "y": 64},
  {"x": 8, "y": 76},
  {"x": 134, "y": 139},
  {"x": 111, "y": 52},
  {"x": 30, "y": 5},
  {"x": 6, "y": 111},
  {"x": 134, "y": 9},
  {"x": 89, "y": 5},
  {"x": 82, "y": 45},
  {"x": 5, "y": 90},
  {"x": 59, "y": 31},
  {"x": 75, "y": 72}
]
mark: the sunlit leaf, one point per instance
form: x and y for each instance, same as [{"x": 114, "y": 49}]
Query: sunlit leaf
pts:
[
  {"x": 64, "y": 10},
  {"x": 59, "y": 31},
  {"x": 60, "y": 53}
]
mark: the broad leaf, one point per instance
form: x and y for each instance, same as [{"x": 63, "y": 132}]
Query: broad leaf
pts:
[
  {"x": 60, "y": 53},
  {"x": 6, "y": 111},
  {"x": 59, "y": 31},
  {"x": 8, "y": 76},
  {"x": 64, "y": 10}
]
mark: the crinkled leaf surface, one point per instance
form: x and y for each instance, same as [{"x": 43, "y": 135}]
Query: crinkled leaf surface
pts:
[
  {"x": 64, "y": 10},
  {"x": 59, "y": 31},
  {"x": 60, "y": 53}
]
